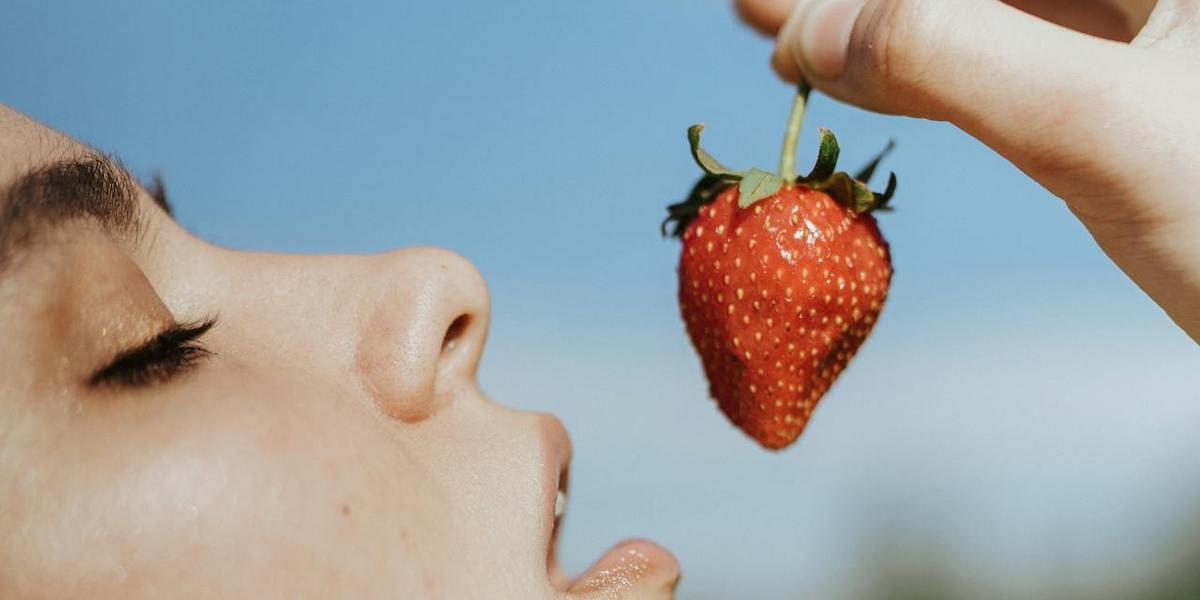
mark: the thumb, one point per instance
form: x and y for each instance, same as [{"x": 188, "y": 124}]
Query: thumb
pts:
[
  {"x": 1103, "y": 125},
  {"x": 1034, "y": 91}
]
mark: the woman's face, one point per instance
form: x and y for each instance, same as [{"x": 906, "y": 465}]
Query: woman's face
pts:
[{"x": 180, "y": 420}]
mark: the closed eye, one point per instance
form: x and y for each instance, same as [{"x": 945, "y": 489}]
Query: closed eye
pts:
[{"x": 166, "y": 355}]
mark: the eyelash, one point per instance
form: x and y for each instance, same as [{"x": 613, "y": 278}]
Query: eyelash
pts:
[{"x": 167, "y": 355}]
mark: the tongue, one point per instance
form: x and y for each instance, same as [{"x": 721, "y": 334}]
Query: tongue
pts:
[{"x": 632, "y": 564}]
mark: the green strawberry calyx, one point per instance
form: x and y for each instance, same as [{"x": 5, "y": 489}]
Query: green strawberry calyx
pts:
[{"x": 756, "y": 184}]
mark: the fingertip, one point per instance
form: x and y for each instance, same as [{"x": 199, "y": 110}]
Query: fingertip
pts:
[
  {"x": 785, "y": 65},
  {"x": 766, "y": 16}
]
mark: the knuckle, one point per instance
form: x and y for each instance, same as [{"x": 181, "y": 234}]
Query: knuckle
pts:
[{"x": 896, "y": 43}]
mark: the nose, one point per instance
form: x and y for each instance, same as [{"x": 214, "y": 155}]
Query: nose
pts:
[{"x": 423, "y": 331}]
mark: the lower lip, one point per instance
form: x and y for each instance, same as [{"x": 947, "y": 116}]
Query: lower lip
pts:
[{"x": 631, "y": 564}]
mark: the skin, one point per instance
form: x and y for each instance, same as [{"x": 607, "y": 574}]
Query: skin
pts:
[
  {"x": 1093, "y": 99},
  {"x": 335, "y": 444}
]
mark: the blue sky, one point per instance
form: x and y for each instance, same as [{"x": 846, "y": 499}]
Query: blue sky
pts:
[{"x": 1020, "y": 402}]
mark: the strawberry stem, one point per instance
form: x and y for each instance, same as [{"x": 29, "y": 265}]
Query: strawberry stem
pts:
[{"x": 787, "y": 158}]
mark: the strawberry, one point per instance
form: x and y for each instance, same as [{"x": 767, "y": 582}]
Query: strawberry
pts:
[{"x": 781, "y": 278}]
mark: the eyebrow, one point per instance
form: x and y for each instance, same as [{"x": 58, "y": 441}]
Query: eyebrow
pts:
[{"x": 91, "y": 187}]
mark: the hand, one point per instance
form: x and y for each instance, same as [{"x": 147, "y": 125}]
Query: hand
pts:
[{"x": 1102, "y": 108}]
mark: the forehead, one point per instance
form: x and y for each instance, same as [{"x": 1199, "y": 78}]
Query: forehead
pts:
[{"x": 26, "y": 144}]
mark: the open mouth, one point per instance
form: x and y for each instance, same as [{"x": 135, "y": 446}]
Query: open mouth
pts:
[
  {"x": 631, "y": 566},
  {"x": 558, "y": 578}
]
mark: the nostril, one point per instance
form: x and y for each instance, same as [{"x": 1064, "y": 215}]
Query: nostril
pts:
[{"x": 455, "y": 331}]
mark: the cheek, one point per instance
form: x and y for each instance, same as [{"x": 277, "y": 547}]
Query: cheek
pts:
[{"x": 260, "y": 485}]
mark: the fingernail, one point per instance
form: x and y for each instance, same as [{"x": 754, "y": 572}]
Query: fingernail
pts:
[{"x": 825, "y": 36}]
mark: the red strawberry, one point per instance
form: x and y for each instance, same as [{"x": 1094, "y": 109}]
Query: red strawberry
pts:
[{"x": 781, "y": 278}]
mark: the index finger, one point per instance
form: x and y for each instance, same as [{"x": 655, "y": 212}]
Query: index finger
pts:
[{"x": 767, "y": 16}]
